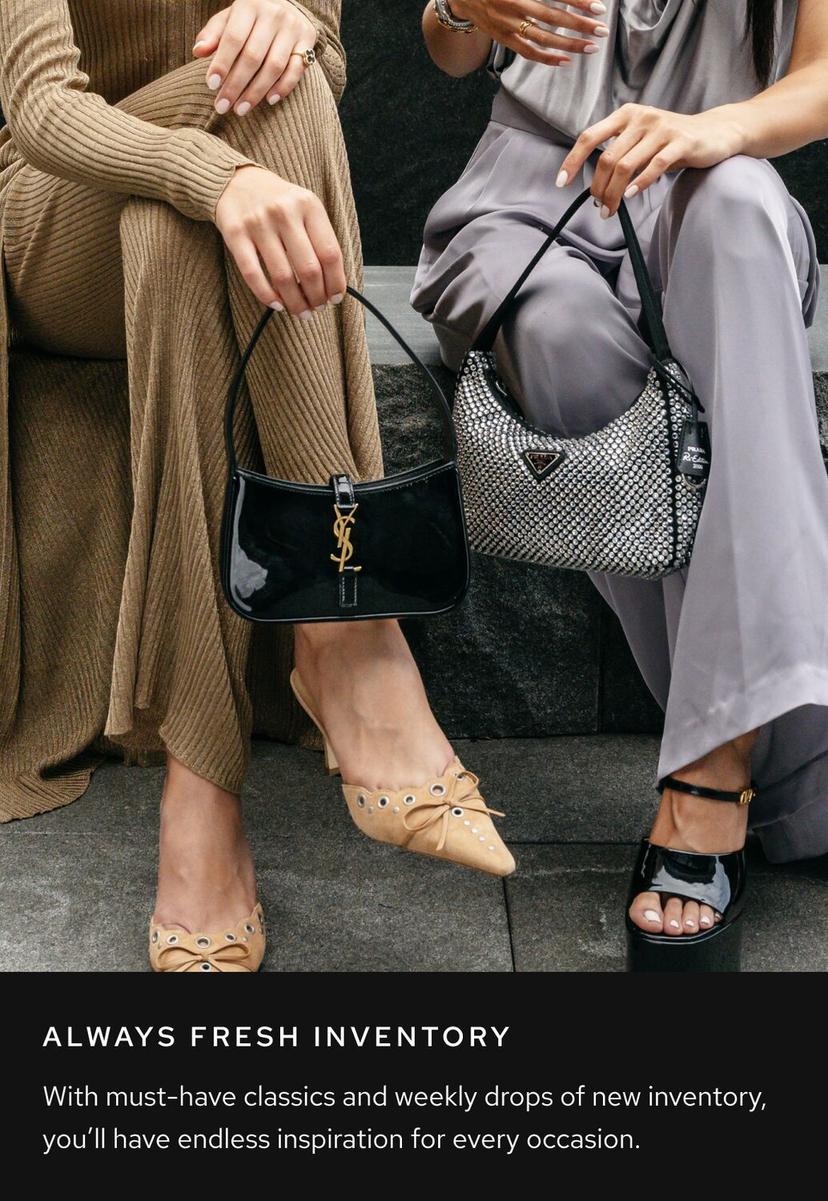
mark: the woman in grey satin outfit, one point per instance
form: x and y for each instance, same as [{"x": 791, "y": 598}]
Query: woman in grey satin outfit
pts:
[{"x": 685, "y": 100}]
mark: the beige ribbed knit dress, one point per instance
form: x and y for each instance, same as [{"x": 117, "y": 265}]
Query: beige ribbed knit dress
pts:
[{"x": 113, "y": 630}]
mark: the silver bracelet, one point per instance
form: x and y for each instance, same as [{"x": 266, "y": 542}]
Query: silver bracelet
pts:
[{"x": 448, "y": 20}]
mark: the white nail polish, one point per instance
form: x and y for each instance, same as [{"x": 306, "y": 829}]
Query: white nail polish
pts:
[
  {"x": 600, "y": 31},
  {"x": 222, "y": 106},
  {"x": 651, "y": 915},
  {"x": 320, "y": 307},
  {"x": 277, "y": 307},
  {"x": 274, "y": 98},
  {"x": 214, "y": 82},
  {"x": 605, "y": 213},
  {"x": 674, "y": 924},
  {"x": 689, "y": 922},
  {"x": 337, "y": 298},
  {"x": 562, "y": 180},
  {"x": 598, "y": 8},
  {"x": 591, "y": 48},
  {"x": 631, "y": 191},
  {"x": 244, "y": 108},
  {"x": 705, "y": 921},
  {"x": 306, "y": 316}
]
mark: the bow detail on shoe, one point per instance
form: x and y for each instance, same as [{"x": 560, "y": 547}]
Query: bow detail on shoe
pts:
[
  {"x": 186, "y": 956},
  {"x": 461, "y": 792},
  {"x": 173, "y": 949}
]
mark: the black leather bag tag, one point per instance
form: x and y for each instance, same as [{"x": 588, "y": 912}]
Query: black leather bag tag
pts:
[{"x": 694, "y": 449}]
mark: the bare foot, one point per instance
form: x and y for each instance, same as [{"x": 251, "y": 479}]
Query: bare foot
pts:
[
  {"x": 367, "y": 691},
  {"x": 688, "y": 823},
  {"x": 206, "y": 878}
]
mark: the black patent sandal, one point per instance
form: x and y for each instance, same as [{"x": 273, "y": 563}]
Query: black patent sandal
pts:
[{"x": 714, "y": 880}]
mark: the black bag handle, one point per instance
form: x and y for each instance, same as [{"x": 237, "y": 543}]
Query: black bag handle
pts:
[
  {"x": 238, "y": 378},
  {"x": 650, "y": 305}
]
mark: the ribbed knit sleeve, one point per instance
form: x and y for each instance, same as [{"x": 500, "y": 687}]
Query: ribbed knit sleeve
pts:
[{"x": 64, "y": 130}]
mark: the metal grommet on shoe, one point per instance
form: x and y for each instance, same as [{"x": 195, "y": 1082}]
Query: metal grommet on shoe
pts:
[
  {"x": 410, "y": 799},
  {"x": 230, "y": 937},
  {"x": 437, "y": 790},
  {"x": 154, "y": 936},
  {"x": 172, "y": 939},
  {"x": 361, "y": 801},
  {"x": 249, "y": 929},
  {"x": 202, "y": 941},
  {"x": 382, "y": 803},
  {"x": 457, "y": 811},
  {"x": 206, "y": 967}
]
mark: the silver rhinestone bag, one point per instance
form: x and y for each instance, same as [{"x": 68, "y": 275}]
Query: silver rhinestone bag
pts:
[{"x": 625, "y": 499}]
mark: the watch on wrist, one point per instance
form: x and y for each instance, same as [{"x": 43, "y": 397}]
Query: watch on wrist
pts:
[{"x": 448, "y": 20}]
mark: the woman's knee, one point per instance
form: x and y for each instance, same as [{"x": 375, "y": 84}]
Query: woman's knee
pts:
[{"x": 729, "y": 203}]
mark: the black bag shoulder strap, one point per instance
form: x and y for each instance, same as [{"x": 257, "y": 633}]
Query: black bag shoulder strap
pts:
[
  {"x": 238, "y": 379},
  {"x": 650, "y": 305}
]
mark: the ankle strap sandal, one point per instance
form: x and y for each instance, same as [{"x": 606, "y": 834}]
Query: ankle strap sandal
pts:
[{"x": 714, "y": 880}]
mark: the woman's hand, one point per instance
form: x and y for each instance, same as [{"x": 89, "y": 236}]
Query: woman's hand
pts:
[
  {"x": 256, "y": 49},
  {"x": 647, "y": 143},
  {"x": 502, "y": 20},
  {"x": 282, "y": 242}
]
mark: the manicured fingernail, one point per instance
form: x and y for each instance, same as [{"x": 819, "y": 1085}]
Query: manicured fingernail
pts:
[
  {"x": 562, "y": 180},
  {"x": 674, "y": 924},
  {"x": 274, "y": 98},
  {"x": 704, "y": 921},
  {"x": 598, "y": 8},
  {"x": 605, "y": 213},
  {"x": 319, "y": 307},
  {"x": 631, "y": 191},
  {"x": 244, "y": 108},
  {"x": 651, "y": 915},
  {"x": 306, "y": 316},
  {"x": 277, "y": 307},
  {"x": 689, "y": 922},
  {"x": 214, "y": 82},
  {"x": 601, "y": 31},
  {"x": 564, "y": 62},
  {"x": 222, "y": 106},
  {"x": 337, "y": 298},
  {"x": 591, "y": 48},
  {"x": 198, "y": 45}
]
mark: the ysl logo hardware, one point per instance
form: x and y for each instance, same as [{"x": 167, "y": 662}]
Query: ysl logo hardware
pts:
[{"x": 342, "y": 529}]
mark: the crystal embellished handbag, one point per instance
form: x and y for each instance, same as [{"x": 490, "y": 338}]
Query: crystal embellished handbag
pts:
[
  {"x": 625, "y": 499},
  {"x": 345, "y": 551}
]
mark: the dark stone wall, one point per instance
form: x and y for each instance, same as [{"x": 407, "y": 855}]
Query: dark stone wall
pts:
[{"x": 411, "y": 129}]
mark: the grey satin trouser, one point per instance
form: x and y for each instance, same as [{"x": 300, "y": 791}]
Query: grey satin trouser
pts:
[{"x": 738, "y": 641}]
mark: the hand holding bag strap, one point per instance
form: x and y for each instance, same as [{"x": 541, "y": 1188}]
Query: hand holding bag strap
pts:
[
  {"x": 650, "y": 306},
  {"x": 238, "y": 378}
]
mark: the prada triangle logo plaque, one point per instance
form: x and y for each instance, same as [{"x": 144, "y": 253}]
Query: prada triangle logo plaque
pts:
[{"x": 543, "y": 462}]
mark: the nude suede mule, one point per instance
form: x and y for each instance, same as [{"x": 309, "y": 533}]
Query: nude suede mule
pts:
[
  {"x": 445, "y": 818},
  {"x": 238, "y": 949}
]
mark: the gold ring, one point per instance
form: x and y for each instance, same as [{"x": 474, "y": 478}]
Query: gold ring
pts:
[
  {"x": 308, "y": 56},
  {"x": 524, "y": 25}
]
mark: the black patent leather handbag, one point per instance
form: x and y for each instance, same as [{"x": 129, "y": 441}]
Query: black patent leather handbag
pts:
[{"x": 344, "y": 551}]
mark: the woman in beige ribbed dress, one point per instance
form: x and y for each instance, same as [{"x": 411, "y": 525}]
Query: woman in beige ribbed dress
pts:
[{"x": 166, "y": 170}]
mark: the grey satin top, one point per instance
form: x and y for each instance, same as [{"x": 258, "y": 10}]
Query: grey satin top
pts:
[{"x": 682, "y": 55}]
